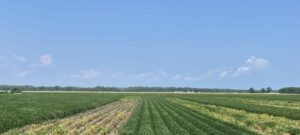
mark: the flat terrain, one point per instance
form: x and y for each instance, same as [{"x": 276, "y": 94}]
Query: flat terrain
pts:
[
  {"x": 149, "y": 113},
  {"x": 103, "y": 120},
  {"x": 22, "y": 109}
]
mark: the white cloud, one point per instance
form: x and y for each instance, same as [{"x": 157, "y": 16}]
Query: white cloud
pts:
[
  {"x": 89, "y": 74},
  {"x": 19, "y": 66},
  {"x": 176, "y": 77},
  {"x": 162, "y": 73},
  {"x": 253, "y": 63},
  {"x": 143, "y": 75},
  {"x": 188, "y": 77},
  {"x": 46, "y": 60},
  {"x": 118, "y": 75},
  {"x": 224, "y": 74},
  {"x": 257, "y": 63},
  {"x": 20, "y": 58},
  {"x": 240, "y": 71},
  {"x": 150, "y": 76},
  {"x": 192, "y": 78},
  {"x": 85, "y": 74},
  {"x": 147, "y": 77}
]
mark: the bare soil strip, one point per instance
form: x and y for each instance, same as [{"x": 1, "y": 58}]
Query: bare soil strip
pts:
[{"x": 103, "y": 120}]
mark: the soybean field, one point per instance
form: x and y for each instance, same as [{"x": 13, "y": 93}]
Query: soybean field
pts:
[{"x": 149, "y": 114}]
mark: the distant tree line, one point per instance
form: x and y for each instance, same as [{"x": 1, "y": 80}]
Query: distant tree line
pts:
[
  {"x": 127, "y": 89},
  {"x": 178, "y": 89},
  {"x": 11, "y": 91},
  {"x": 56, "y": 88},
  {"x": 263, "y": 90},
  {"x": 290, "y": 90},
  {"x": 18, "y": 88}
]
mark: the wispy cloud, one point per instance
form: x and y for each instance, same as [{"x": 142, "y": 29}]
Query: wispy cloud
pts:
[
  {"x": 86, "y": 74},
  {"x": 148, "y": 77},
  {"x": 224, "y": 74},
  {"x": 89, "y": 74},
  {"x": 253, "y": 63},
  {"x": 20, "y": 58},
  {"x": 46, "y": 59},
  {"x": 118, "y": 75},
  {"x": 162, "y": 73},
  {"x": 17, "y": 66},
  {"x": 192, "y": 78},
  {"x": 176, "y": 77},
  {"x": 196, "y": 77}
]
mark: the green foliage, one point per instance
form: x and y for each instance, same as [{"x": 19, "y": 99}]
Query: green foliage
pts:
[
  {"x": 29, "y": 108},
  {"x": 236, "y": 102},
  {"x": 3, "y": 91},
  {"x": 252, "y": 90},
  {"x": 290, "y": 90},
  {"x": 263, "y": 123},
  {"x": 269, "y": 89},
  {"x": 16, "y": 90},
  {"x": 115, "y": 89},
  {"x": 263, "y": 90},
  {"x": 156, "y": 115},
  {"x": 132, "y": 126}
]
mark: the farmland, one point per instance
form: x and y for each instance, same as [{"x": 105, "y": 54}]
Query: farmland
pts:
[
  {"x": 102, "y": 120},
  {"x": 149, "y": 113},
  {"x": 22, "y": 109}
]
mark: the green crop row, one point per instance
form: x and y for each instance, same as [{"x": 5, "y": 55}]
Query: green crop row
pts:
[
  {"x": 30, "y": 108},
  {"x": 158, "y": 116},
  {"x": 261, "y": 123},
  {"x": 209, "y": 125},
  {"x": 161, "y": 114},
  {"x": 236, "y": 102},
  {"x": 269, "y": 97}
]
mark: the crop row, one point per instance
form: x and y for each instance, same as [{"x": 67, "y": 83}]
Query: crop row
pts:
[
  {"x": 238, "y": 103},
  {"x": 274, "y": 103},
  {"x": 270, "y": 97},
  {"x": 32, "y": 108},
  {"x": 157, "y": 116},
  {"x": 103, "y": 120},
  {"x": 261, "y": 123}
]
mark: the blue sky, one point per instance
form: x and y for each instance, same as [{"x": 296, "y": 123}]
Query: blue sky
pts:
[{"x": 214, "y": 44}]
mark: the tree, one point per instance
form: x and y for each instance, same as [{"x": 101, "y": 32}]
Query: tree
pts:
[
  {"x": 269, "y": 89},
  {"x": 292, "y": 90},
  {"x": 16, "y": 90},
  {"x": 263, "y": 90},
  {"x": 56, "y": 88},
  {"x": 252, "y": 90}
]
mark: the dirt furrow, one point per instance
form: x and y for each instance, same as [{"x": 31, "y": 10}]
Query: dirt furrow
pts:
[
  {"x": 78, "y": 122},
  {"x": 99, "y": 120}
]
